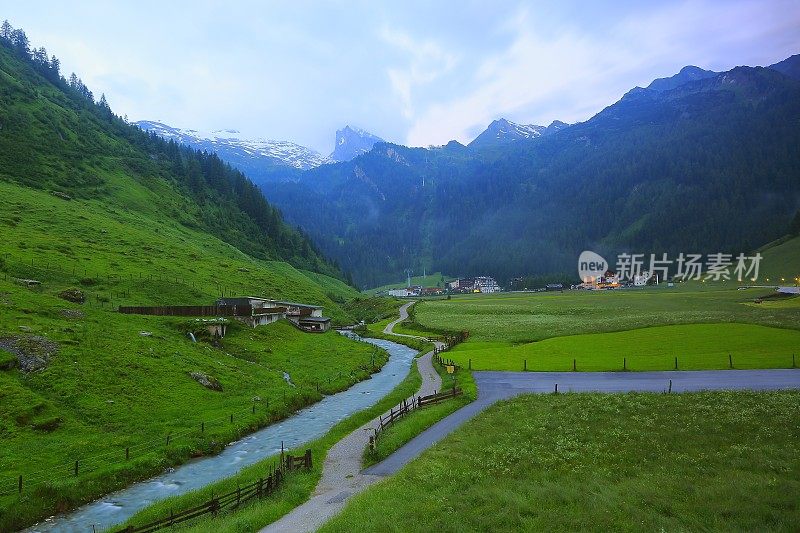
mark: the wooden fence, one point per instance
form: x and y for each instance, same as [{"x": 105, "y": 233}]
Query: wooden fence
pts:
[
  {"x": 259, "y": 488},
  {"x": 189, "y": 310},
  {"x": 408, "y": 406}
]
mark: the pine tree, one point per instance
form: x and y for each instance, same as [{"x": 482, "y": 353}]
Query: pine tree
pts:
[
  {"x": 20, "y": 42},
  {"x": 73, "y": 81},
  {"x": 55, "y": 66},
  {"x": 6, "y": 30}
]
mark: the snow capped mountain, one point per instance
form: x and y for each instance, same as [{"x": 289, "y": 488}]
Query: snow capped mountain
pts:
[
  {"x": 246, "y": 154},
  {"x": 352, "y": 142},
  {"x": 504, "y": 131}
]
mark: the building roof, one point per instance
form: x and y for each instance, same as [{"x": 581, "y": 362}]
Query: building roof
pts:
[
  {"x": 315, "y": 319},
  {"x": 296, "y": 304}
]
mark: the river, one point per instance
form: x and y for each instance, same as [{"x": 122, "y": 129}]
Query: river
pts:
[{"x": 304, "y": 426}]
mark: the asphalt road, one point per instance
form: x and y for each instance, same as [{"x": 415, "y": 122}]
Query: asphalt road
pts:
[{"x": 494, "y": 386}]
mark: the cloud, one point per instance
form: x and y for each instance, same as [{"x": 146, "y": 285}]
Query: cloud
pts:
[
  {"x": 426, "y": 60},
  {"x": 572, "y": 71}
]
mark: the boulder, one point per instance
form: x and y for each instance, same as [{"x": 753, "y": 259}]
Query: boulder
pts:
[
  {"x": 206, "y": 381},
  {"x": 33, "y": 352},
  {"x": 72, "y": 295}
]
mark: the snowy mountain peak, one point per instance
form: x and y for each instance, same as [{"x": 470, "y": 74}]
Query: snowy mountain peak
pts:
[
  {"x": 503, "y": 131},
  {"x": 241, "y": 153},
  {"x": 352, "y": 142}
]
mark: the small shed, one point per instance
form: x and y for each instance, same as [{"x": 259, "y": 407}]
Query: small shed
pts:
[{"x": 317, "y": 324}]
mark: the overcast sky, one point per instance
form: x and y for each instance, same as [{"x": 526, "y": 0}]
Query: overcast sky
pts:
[{"x": 416, "y": 73}]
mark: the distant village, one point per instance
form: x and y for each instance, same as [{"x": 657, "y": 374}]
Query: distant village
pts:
[{"x": 479, "y": 284}]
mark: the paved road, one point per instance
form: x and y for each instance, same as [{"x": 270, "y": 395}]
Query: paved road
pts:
[
  {"x": 494, "y": 386},
  {"x": 341, "y": 472}
]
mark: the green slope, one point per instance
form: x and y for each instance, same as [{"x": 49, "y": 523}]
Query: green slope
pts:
[
  {"x": 90, "y": 203},
  {"x": 781, "y": 261}
]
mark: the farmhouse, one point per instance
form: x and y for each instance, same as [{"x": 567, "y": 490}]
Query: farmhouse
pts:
[
  {"x": 305, "y": 316},
  {"x": 261, "y": 311}
]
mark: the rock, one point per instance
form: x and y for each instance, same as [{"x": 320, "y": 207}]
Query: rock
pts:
[
  {"x": 72, "y": 295},
  {"x": 72, "y": 313},
  {"x": 243, "y": 269},
  {"x": 33, "y": 352},
  {"x": 206, "y": 381},
  {"x": 146, "y": 333},
  {"x": 256, "y": 398},
  {"x": 62, "y": 195},
  {"x": 25, "y": 328}
]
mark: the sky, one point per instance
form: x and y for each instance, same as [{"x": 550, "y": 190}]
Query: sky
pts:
[{"x": 414, "y": 72}]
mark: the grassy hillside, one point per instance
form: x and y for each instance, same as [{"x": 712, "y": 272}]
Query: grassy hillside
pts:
[
  {"x": 781, "y": 261},
  {"x": 96, "y": 208},
  {"x": 722, "y": 461}
]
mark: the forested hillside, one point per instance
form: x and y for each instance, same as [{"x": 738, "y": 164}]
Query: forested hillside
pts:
[
  {"x": 54, "y": 136},
  {"x": 710, "y": 165}
]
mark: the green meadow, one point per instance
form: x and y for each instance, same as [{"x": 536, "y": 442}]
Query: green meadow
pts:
[
  {"x": 712, "y": 461},
  {"x": 695, "y": 346}
]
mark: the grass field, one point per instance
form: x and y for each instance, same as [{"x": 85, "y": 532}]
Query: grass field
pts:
[
  {"x": 529, "y": 317},
  {"x": 109, "y": 388},
  {"x": 720, "y": 461},
  {"x": 696, "y": 346}
]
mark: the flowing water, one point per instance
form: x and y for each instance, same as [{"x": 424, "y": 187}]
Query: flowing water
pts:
[{"x": 303, "y": 427}]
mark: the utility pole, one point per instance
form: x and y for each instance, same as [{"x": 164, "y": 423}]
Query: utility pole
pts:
[{"x": 408, "y": 272}]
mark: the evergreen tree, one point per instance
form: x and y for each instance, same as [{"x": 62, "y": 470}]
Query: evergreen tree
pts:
[
  {"x": 6, "y": 30},
  {"x": 20, "y": 42}
]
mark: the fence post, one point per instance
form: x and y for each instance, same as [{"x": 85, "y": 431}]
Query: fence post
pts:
[
  {"x": 231, "y": 418},
  {"x": 556, "y": 389},
  {"x": 669, "y": 391},
  {"x": 730, "y": 360},
  {"x": 308, "y": 459},
  {"x": 202, "y": 427},
  {"x": 676, "y": 363},
  {"x": 168, "y": 440},
  {"x": 574, "y": 365},
  {"x": 20, "y": 484},
  {"x": 127, "y": 453},
  {"x": 793, "y": 366},
  {"x": 76, "y": 468},
  {"x": 371, "y": 448},
  {"x": 525, "y": 365}
]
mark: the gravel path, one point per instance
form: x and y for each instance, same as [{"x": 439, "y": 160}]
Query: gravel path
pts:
[{"x": 341, "y": 471}]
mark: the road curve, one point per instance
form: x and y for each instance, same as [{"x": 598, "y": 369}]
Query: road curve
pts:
[
  {"x": 494, "y": 386},
  {"x": 341, "y": 472}
]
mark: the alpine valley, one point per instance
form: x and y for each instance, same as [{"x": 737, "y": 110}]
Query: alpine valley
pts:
[{"x": 699, "y": 162}]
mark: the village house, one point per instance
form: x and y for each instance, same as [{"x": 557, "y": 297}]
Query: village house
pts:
[{"x": 482, "y": 284}]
